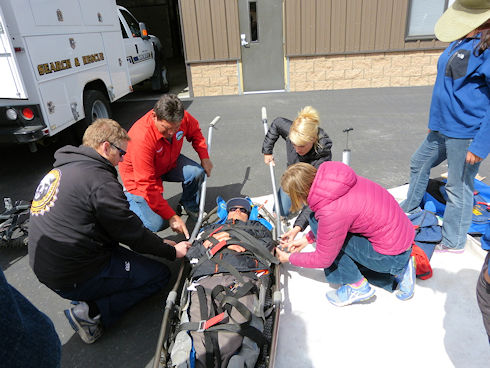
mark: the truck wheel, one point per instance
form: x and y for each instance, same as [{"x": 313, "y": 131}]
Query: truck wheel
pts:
[{"x": 96, "y": 106}]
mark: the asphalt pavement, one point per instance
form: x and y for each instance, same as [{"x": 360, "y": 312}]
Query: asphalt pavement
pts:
[{"x": 388, "y": 125}]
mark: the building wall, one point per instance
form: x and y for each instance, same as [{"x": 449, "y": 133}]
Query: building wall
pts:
[
  {"x": 322, "y": 27},
  {"x": 394, "y": 69},
  {"x": 215, "y": 79}
]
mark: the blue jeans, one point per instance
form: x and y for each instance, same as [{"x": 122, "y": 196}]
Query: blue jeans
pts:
[
  {"x": 127, "y": 279},
  {"x": 358, "y": 249},
  {"x": 284, "y": 202},
  {"x": 190, "y": 174},
  {"x": 460, "y": 184}
]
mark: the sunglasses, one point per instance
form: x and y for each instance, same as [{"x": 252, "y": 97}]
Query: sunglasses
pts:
[
  {"x": 121, "y": 151},
  {"x": 241, "y": 209}
]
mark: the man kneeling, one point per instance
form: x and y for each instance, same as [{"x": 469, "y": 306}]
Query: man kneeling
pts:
[{"x": 79, "y": 216}]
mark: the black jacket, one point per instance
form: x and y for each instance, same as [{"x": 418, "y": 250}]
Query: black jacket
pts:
[
  {"x": 78, "y": 216},
  {"x": 241, "y": 261},
  {"x": 280, "y": 127}
]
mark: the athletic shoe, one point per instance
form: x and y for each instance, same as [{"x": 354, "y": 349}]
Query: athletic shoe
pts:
[
  {"x": 348, "y": 294},
  {"x": 406, "y": 281},
  {"x": 441, "y": 248},
  {"x": 89, "y": 329}
]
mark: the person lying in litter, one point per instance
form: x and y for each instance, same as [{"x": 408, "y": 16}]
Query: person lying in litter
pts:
[
  {"x": 230, "y": 270},
  {"x": 357, "y": 222}
]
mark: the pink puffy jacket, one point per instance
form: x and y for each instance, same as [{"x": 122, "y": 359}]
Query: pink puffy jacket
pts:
[{"x": 345, "y": 202}]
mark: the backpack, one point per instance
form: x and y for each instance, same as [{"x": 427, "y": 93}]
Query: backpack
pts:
[{"x": 435, "y": 200}]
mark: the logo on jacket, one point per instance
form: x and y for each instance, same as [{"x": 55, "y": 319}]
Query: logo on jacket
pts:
[
  {"x": 179, "y": 135},
  {"x": 46, "y": 193}
]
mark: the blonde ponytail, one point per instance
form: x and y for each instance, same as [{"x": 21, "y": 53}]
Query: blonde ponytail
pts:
[{"x": 305, "y": 128}]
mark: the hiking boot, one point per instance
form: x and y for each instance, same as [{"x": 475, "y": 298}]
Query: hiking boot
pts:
[
  {"x": 441, "y": 248},
  {"x": 348, "y": 294},
  {"x": 406, "y": 281},
  {"x": 89, "y": 329}
]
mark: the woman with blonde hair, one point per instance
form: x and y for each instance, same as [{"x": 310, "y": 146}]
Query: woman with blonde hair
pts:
[
  {"x": 305, "y": 142},
  {"x": 357, "y": 222}
]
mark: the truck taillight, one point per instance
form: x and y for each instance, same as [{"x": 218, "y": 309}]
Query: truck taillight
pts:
[
  {"x": 27, "y": 113},
  {"x": 11, "y": 114}
]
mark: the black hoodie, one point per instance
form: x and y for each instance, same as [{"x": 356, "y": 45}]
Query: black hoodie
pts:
[{"x": 78, "y": 216}]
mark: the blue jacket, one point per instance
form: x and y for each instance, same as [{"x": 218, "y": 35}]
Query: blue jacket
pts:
[{"x": 460, "y": 105}]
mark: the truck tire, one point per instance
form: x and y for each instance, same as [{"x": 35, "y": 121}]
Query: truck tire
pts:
[{"x": 96, "y": 106}]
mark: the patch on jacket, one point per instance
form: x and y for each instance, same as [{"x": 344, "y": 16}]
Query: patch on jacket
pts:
[
  {"x": 46, "y": 193},
  {"x": 457, "y": 65},
  {"x": 179, "y": 135}
]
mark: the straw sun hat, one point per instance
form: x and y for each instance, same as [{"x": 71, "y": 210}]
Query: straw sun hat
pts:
[{"x": 461, "y": 18}]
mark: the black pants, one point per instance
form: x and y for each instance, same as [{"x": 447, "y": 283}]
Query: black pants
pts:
[{"x": 127, "y": 279}]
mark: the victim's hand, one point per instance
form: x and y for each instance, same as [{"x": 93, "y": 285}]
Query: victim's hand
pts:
[{"x": 223, "y": 235}]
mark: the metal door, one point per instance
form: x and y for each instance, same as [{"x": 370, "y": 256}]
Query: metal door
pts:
[{"x": 262, "y": 45}]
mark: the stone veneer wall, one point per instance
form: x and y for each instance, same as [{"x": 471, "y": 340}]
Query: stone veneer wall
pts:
[
  {"x": 394, "y": 69},
  {"x": 214, "y": 79}
]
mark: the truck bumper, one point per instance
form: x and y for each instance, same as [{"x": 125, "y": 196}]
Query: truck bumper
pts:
[{"x": 21, "y": 130}]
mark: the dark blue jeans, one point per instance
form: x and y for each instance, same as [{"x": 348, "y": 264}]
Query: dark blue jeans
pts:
[
  {"x": 358, "y": 252},
  {"x": 127, "y": 279}
]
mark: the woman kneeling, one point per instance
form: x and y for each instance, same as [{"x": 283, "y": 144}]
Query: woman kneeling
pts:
[{"x": 355, "y": 222}]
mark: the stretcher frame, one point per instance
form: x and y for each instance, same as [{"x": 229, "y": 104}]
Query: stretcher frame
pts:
[{"x": 172, "y": 310}]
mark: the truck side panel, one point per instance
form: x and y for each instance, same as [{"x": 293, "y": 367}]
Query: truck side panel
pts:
[{"x": 63, "y": 72}]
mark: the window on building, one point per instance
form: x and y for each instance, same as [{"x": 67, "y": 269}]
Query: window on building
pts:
[
  {"x": 254, "y": 31},
  {"x": 422, "y": 17}
]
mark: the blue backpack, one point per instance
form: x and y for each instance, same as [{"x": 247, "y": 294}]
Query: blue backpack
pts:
[{"x": 435, "y": 200}]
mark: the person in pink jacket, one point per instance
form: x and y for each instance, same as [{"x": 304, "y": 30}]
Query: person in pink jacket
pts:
[{"x": 356, "y": 221}]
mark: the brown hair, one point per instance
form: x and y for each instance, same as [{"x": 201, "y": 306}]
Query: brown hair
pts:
[
  {"x": 102, "y": 130},
  {"x": 296, "y": 181},
  {"x": 483, "y": 44},
  {"x": 169, "y": 108},
  {"x": 305, "y": 127}
]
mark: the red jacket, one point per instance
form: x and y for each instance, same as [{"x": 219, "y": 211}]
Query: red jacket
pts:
[
  {"x": 150, "y": 155},
  {"x": 345, "y": 202}
]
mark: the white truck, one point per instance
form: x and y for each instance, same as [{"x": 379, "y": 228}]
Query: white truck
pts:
[{"x": 63, "y": 61}]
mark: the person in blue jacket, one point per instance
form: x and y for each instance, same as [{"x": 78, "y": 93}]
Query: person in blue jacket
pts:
[{"x": 459, "y": 120}]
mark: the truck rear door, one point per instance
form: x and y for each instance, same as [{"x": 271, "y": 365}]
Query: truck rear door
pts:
[{"x": 11, "y": 85}]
